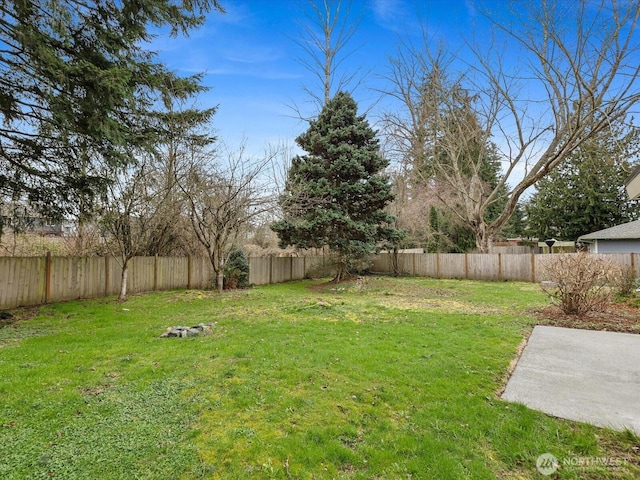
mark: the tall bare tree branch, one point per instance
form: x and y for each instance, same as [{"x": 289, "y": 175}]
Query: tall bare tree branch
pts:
[
  {"x": 223, "y": 198},
  {"x": 577, "y": 73}
]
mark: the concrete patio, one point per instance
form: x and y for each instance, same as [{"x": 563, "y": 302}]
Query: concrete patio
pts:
[{"x": 583, "y": 375}]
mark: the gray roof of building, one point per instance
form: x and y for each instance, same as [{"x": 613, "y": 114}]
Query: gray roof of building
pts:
[
  {"x": 624, "y": 231},
  {"x": 633, "y": 175}
]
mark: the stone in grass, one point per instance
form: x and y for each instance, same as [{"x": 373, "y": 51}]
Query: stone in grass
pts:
[{"x": 184, "y": 332}]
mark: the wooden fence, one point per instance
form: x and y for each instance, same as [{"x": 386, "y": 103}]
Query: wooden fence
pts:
[
  {"x": 483, "y": 266},
  {"x": 27, "y": 281},
  {"x": 267, "y": 270}
]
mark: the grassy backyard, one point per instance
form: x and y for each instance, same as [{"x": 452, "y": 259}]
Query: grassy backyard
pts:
[{"x": 393, "y": 379}]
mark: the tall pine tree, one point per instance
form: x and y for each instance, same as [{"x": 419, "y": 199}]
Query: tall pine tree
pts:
[
  {"x": 586, "y": 192},
  {"x": 335, "y": 194},
  {"x": 80, "y": 87}
]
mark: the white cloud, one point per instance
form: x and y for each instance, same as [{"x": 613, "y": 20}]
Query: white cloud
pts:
[
  {"x": 399, "y": 16},
  {"x": 387, "y": 10},
  {"x": 253, "y": 54},
  {"x": 252, "y": 71}
]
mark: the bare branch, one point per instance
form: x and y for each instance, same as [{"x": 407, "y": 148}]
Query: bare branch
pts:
[
  {"x": 577, "y": 75},
  {"x": 325, "y": 31},
  {"x": 223, "y": 198}
]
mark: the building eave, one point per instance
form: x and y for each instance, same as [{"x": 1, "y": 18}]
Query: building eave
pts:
[{"x": 633, "y": 184}]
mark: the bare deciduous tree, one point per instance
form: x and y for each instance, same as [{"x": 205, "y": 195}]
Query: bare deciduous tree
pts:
[
  {"x": 127, "y": 213},
  {"x": 187, "y": 134},
  {"x": 577, "y": 73},
  {"x": 222, "y": 201},
  {"x": 325, "y": 32}
]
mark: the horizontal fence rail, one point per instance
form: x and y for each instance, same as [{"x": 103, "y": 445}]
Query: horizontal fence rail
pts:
[{"x": 30, "y": 281}]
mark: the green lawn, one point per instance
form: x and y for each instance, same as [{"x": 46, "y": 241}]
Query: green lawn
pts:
[{"x": 396, "y": 380}]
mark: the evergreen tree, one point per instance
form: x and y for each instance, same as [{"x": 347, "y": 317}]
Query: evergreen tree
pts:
[
  {"x": 516, "y": 226},
  {"x": 237, "y": 269},
  {"x": 335, "y": 195},
  {"x": 79, "y": 86},
  {"x": 586, "y": 192}
]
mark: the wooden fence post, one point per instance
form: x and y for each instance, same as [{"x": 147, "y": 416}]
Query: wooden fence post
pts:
[
  {"x": 155, "y": 272},
  {"x": 499, "y": 266},
  {"x": 106, "y": 276},
  {"x": 533, "y": 267},
  {"x": 189, "y": 267},
  {"x": 437, "y": 264},
  {"x": 270, "y": 269},
  {"x": 466, "y": 266},
  {"x": 47, "y": 278}
]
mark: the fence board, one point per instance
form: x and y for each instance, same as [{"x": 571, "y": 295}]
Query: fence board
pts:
[
  {"x": 451, "y": 265},
  {"x": 202, "y": 276},
  {"x": 76, "y": 277},
  {"x": 405, "y": 263},
  {"x": 382, "y": 263},
  {"x": 172, "y": 273},
  {"x": 114, "y": 278},
  {"x": 483, "y": 266},
  {"x": 298, "y": 267},
  {"x": 141, "y": 273},
  {"x": 259, "y": 268},
  {"x": 426, "y": 265},
  {"x": 517, "y": 266},
  {"x": 313, "y": 264},
  {"x": 22, "y": 281},
  {"x": 280, "y": 269}
]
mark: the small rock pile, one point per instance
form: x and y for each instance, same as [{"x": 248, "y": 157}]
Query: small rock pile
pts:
[{"x": 184, "y": 332}]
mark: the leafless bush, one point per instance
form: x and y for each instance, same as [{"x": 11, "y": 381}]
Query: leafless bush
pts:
[
  {"x": 626, "y": 282},
  {"x": 30, "y": 245},
  {"x": 580, "y": 283}
]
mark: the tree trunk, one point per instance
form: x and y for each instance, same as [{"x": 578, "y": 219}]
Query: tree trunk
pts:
[
  {"x": 484, "y": 238},
  {"x": 341, "y": 272},
  {"x": 219, "y": 280},
  {"x": 395, "y": 264},
  {"x": 123, "y": 281}
]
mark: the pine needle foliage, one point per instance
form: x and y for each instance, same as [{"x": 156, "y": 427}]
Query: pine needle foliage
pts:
[{"x": 335, "y": 195}]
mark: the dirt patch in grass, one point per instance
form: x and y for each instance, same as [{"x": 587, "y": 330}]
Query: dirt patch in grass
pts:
[
  {"x": 403, "y": 294},
  {"x": 192, "y": 295},
  {"x": 96, "y": 390},
  {"x": 618, "y": 317},
  {"x": 7, "y": 318}
]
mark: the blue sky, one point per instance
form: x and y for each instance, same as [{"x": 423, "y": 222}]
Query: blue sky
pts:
[{"x": 248, "y": 56}]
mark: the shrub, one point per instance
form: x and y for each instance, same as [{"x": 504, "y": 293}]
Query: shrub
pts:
[
  {"x": 626, "y": 282},
  {"x": 580, "y": 283},
  {"x": 236, "y": 271}
]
